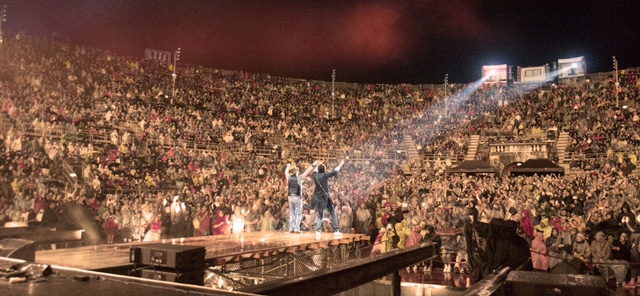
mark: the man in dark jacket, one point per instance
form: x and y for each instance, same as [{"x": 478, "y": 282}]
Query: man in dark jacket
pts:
[
  {"x": 49, "y": 217},
  {"x": 322, "y": 199},
  {"x": 511, "y": 249}
]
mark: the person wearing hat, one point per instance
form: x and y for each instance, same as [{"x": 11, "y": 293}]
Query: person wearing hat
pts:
[
  {"x": 601, "y": 253},
  {"x": 626, "y": 217},
  {"x": 539, "y": 252},
  {"x": 556, "y": 246},
  {"x": 569, "y": 238},
  {"x": 526, "y": 223},
  {"x": 387, "y": 216},
  {"x": 294, "y": 183},
  {"x": 621, "y": 254},
  {"x": 512, "y": 214},
  {"x": 545, "y": 227},
  {"x": 581, "y": 249}
]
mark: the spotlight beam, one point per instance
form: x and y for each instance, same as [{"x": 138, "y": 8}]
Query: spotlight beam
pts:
[
  {"x": 440, "y": 125},
  {"x": 454, "y": 99}
]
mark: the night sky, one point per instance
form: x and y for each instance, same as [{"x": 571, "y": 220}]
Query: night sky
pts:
[{"x": 365, "y": 41}]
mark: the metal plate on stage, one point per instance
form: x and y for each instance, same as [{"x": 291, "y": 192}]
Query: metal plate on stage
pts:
[
  {"x": 71, "y": 282},
  {"x": 542, "y": 283}
]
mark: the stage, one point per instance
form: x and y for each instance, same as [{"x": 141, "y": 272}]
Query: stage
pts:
[
  {"x": 235, "y": 253},
  {"x": 275, "y": 260},
  {"x": 246, "y": 261}
]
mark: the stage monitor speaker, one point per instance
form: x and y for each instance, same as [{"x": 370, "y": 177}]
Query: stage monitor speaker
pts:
[
  {"x": 18, "y": 249},
  {"x": 180, "y": 257},
  {"x": 525, "y": 283},
  {"x": 191, "y": 277}
]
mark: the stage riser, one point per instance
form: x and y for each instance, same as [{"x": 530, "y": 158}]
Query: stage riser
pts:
[
  {"x": 255, "y": 257},
  {"x": 219, "y": 249}
]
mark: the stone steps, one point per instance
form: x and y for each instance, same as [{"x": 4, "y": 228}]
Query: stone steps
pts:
[{"x": 474, "y": 142}]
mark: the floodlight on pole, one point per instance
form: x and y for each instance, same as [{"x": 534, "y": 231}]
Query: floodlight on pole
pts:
[
  {"x": 615, "y": 68},
  {"x": 3, "y": 18},
  {"x": 446, "y": 81},
  {"x": 333, "y": 94},
  {"x": 176, "y": 58}
]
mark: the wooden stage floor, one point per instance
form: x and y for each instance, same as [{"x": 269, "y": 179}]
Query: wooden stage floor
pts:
[{"x": 220, "y": 247}]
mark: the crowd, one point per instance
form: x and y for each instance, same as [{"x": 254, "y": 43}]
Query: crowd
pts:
[{"x": 153, "y": 166}]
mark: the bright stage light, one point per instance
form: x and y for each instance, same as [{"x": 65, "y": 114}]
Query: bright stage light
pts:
[{"x": 238, "y": 226}]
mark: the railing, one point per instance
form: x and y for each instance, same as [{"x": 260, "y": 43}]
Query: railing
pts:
[
  {"x": 68, "y": 171},
  {"x": 61, "y": 132},
  {"x": 349, "y": 275},
  {"x": 431, "y": 157},
  {"x": 491, "y": 285}
]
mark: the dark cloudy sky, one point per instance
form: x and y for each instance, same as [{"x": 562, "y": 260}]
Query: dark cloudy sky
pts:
[{"x": 381, "y": 41}]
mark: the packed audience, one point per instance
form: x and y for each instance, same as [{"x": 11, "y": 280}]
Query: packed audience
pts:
[{"x": 210, "y": 160}]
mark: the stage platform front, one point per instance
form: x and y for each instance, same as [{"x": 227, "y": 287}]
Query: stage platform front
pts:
[{"x": 220, "y": 249}]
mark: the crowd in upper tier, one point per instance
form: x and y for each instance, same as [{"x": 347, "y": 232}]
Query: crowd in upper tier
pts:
[{"x": 151, "y": 162}]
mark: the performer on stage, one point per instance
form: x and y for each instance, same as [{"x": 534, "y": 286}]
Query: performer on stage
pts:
[
  {"x": 322, "y": 199},
  {"x": 295, "y": 194}
]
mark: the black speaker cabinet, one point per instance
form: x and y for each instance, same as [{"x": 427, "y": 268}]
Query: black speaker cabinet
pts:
[
  {"x": 179, "y": 257},
  {"x": 525, "y": 283},
  {"x": 191, "y": 277},
  {"x": 18, "y": 249}
]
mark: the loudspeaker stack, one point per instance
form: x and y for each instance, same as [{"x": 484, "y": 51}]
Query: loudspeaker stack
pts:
[{"x": 174, "y": 263}]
